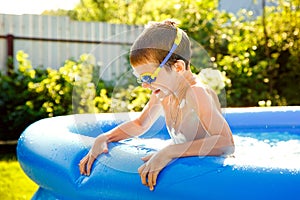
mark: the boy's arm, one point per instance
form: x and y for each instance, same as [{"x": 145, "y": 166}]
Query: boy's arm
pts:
[
  {"x": 138, "y": 126},
  {"x": 215, "y": 145},
  {"x": 220, "y": 140},
  {"x": 128, "y": 129},
  {"x": 209, "y": 113}
]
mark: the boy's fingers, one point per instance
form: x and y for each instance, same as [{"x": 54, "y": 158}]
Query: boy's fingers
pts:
[
  {"x": 141, "y": 168},
  {"x": 148, "y": 176},
  {"x": 146, "y": 158},
  {"x": 155, "y": 174},
  {"x": 89, "y": 164},
  {"x": 105, "y": 148},
  {"x": 143, "y": 174},
  {"x": 82, "y": 164},
  {"x": 144, "y": 178},
  {"x": 150, "y": 179}
]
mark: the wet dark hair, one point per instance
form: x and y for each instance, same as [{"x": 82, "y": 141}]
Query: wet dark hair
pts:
[{"x": 155, "y": 42}]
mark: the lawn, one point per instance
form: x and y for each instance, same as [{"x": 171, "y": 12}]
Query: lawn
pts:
[{"x": 14, "y": 184}]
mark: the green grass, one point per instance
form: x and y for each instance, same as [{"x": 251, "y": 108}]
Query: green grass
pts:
[{"x": 14, "y": 184}]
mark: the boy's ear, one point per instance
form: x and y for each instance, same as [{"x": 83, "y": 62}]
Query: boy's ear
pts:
[{"x": 179, "y": 66}]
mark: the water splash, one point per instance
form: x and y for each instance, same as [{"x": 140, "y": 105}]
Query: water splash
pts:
[{"x": 266, "y": 153}]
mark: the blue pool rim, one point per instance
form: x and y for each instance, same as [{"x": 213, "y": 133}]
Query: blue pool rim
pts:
[{"x": 205, "y": 178}]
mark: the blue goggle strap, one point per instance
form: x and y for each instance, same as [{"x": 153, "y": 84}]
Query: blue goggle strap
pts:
[{"x": 174, "y": 46}]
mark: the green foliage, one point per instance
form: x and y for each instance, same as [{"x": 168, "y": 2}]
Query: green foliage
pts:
[
  {"x": 59, "y": 12},
  {"x": 120, "y": 11},
  {"x": 130, "y": 99},
  {"x": 15, "y": 99},
  {"x": 260, "y": 56},
  {"x": 29, "y": 94}
]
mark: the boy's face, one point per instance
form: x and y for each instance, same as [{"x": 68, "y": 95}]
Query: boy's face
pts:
[
  {"x": 146, "y": 74},
  {"x": 155, "y": 78},
  {"x": 147, "y": 77}
]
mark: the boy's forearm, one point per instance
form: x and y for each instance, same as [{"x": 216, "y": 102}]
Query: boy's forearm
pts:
[
  {"x": 124, "y": 131},
  {"x": 212, "y": 146}
]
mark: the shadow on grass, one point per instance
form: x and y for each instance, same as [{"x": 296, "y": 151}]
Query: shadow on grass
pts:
[{"x": 8, "y": 151}]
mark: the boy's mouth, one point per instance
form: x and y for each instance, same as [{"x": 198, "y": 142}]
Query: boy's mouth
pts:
[{"x": 156, "y": 91}]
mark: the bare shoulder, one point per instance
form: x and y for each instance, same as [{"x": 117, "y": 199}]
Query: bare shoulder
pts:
[
  {"x": 203, "y": 97},
  {"x": 197, "y": 92}
]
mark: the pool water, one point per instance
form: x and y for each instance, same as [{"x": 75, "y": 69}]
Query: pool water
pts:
[
  {"x": 254, "y": 148},
  {"x": 275, "y": 149}
]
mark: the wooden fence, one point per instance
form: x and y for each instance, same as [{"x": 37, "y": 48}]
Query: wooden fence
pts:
[{"x": 50, "y": 40}]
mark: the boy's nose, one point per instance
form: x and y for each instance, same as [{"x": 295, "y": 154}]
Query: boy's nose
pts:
[{"x": 145, "y": 85}]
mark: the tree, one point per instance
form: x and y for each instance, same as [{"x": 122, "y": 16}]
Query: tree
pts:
[{"x": 260, "y": 55}]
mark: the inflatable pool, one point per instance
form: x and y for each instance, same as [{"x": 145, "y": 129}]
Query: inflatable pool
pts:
[{"x": 266, "y": 163}]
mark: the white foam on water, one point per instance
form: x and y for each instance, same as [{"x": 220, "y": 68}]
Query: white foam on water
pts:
[
  {"x": 266, "y": 151},
  {"x": 267, "y": 154}
]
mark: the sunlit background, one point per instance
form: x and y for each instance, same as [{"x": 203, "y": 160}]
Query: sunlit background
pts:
[
  {"x": 256, "y": 50},
  {"x": 34, "y": 6}
]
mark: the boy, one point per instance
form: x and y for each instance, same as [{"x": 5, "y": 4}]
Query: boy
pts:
[{"x": 160, "y": 58}]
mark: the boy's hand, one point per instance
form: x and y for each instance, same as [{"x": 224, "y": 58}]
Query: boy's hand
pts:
[
  {"x": 154, "y": 163},
  {"x": 99, "y": 147}
]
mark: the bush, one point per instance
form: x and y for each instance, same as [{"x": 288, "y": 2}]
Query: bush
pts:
[
  {"x": 130, "y": 99},
  {"x": 261, "y": 57},
  {"x": 29, "y": 94},
  {"x": 16, "y": 105}
]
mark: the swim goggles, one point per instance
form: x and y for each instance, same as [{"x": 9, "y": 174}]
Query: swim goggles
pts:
[{"x": 151, "y": 77}]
